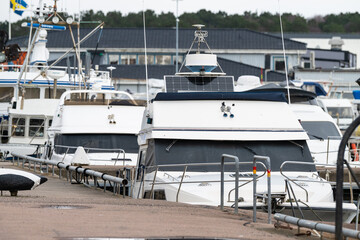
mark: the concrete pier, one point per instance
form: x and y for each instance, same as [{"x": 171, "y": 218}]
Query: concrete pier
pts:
[{"x": 60, "y": 210}]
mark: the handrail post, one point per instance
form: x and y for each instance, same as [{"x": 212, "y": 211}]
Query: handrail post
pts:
[
  {"x": 222, "y": 184},
  {"x": 152, "y": 187},
  {"x": 254, "y": 189},
  {"x": 357, "y": 213},
  {"x": 182, "y": 179},
  {"x": 269, "y": 189},
  {"x": 236, "y": 185},
  {"x": 236, "y": 181},
  {"x": 269, "y": 198}
]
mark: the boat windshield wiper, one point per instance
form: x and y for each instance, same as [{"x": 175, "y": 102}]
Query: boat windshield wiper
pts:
[
  {"x": 315, "y": 136},
  {"x": 170, "y": 145},
  {"x": 297, "y": 144},
  {"x": 251, "y": 150}
]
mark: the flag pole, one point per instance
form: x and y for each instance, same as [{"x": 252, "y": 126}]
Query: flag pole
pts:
[{"x": 9, "y": 21}]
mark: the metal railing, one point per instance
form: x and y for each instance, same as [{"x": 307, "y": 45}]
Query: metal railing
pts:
[
  {"x": 302, "y": 180},
  {"x": 183, "y": 175},
  {"x": 88, "y": 149},
  {"x": 315, "y": 225},
  {"x": 288, "y": 186},
  {"x": 84, "y": 172},
  {"x": 16, "y": 68},
  {"x": 255, "y": 195},
  {"x": 222, "y": 180}
]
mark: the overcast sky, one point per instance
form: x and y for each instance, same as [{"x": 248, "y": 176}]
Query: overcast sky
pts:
[{"x": 306, "y": 8}]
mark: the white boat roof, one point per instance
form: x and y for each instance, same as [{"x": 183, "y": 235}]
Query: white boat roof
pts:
[
  {"x": 106, "y": 115},
  {"x": 306, "y": 112},
  {"x": 335, "y": 102},
  {"x": 203, "y": 119}
]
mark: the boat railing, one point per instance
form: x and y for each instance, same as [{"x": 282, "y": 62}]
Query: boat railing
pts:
[
  {"x": 96, "y": 150},
  {"x": 153, "y": 182},
  {"x": 304, "y": 180},
  {"x": 352, "y": 150},
  {"x": 37, "y": 68},
  {"x": 80, "y": 172},
  {"x": 237, "y": 163}
]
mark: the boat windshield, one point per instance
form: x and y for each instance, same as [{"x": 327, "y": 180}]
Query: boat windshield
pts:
[
  {"x": 127, "y": 142},
  {"x": 169, "y": 151},
  {"x": 341, "y": 112},
  {"x": 320, "y": 130}
]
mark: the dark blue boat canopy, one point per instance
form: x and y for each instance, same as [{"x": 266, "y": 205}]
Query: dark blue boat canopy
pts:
[{"x": 251, "y": 96}]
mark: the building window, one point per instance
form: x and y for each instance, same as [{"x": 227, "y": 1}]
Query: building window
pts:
[
  {"x": 163, "y": 59},
  {"x": 18, "y": 127},
  {"x": 128, "y": 59},
  {"x": 36, "y": 127},
  {"x": 150, "y": 59},
  {"x": 279, "y": 63},
  {"x": 113, "y": 59},
  {"x": 180, "y": 59}
]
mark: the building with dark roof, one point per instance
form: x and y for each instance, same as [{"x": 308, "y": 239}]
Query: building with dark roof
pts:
[{"x": 240, "y": 51}]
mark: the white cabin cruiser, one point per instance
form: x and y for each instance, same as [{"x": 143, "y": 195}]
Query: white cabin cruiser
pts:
[
  {"x": 96, "y": 127},
  {"x": 198, "y": 118},
  {"x": 324, "y": 135}
]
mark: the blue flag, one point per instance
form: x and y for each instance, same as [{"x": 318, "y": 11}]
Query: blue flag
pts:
[{"x": 18, "y": 6}]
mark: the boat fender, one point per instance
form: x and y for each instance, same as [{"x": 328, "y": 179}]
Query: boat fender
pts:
[
  {"x": 354, "y": 150},
  {"x": 76, "y": 169}
]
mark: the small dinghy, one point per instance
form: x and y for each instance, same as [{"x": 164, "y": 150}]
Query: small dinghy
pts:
[{"x": 15, "y": 180}]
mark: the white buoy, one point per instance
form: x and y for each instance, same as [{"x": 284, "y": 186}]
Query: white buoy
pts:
[{"x": 16, "y": 180}]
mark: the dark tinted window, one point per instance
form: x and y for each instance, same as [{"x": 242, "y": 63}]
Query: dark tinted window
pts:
[
  {"x": 320, "y": 130},
  {"x": 127, "y": 142},
  {"x": 169, "y": 151}
]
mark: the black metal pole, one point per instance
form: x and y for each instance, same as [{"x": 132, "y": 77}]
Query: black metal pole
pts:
[{"x": 340, "y": 177}]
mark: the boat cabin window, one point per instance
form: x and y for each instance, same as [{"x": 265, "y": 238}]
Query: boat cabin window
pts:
[
  {"x": 6, "y": 94},
  {"x": 340, "y": 112},
  {"x": 18, "y": 127},
  {"x": 320, "y": 130},
  {"x": 32, "y": 93},
  {"x": 50, "y": 122},
  {"x": 36, "y": 127},
  {"x": 49, "y": 93},
  {"x": 102, "y": 99},
  {"x": 172, "y": 151},
  {"x": 127, "y": 142}
]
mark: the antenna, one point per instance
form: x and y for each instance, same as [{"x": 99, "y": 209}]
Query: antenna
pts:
[
  {"x": 146, "y": 69},
  {"x": 285, "y": 62}
]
